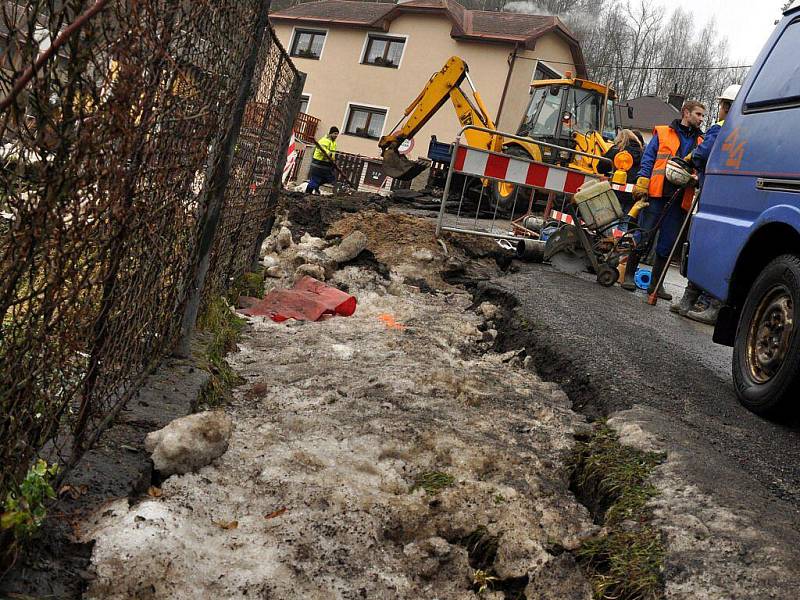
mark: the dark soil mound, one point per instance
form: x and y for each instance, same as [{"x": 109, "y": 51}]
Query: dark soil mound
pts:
[{"x": 314, "y": 214}]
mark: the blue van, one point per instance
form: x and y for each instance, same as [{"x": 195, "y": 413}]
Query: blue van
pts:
[{"x": 744, "y": 245}]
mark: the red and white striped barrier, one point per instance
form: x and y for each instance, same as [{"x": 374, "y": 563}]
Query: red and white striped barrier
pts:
[
  {"x": 291, "y": 157},
  {"x": 483, "y": 163},
  {"x": 560, "y": 216},
  {"x": 623, "y": 187},
  {"x": 565, "y": 218}
]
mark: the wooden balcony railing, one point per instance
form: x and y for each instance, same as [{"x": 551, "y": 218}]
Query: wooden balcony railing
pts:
[{"x": 305, "y": 127}]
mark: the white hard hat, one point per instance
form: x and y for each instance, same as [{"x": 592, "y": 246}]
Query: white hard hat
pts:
[
  {"x": 730, "y": 92},
  {"x": 678, "y": 172}
]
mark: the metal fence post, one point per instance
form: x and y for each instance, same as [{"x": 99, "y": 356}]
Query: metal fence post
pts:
[
  {"x": 217, "y": 184},
  {"x": 264, "y": 124},
  {"x": 277, "y": 183}
]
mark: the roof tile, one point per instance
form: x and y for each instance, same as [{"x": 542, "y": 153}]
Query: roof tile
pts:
[
  {"x": 366, "y": 13},
  {"x": 506, "y": 23},
  {"x": 509, "y": 27}
]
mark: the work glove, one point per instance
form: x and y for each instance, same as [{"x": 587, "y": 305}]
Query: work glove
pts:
[
  {"x": 640, "y": 191},
  {"x": 638, "y": 207}
]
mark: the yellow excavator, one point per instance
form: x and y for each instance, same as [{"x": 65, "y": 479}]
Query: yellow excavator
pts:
[{"x": 570, "y": 113}]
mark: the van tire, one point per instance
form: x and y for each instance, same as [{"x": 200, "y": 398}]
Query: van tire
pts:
[{"x": 762, "y": 392}]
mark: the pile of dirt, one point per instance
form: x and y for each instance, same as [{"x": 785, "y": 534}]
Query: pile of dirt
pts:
[
  {"x": 409, "y": 247},
  {"x": 393, "y": 238},
  {"x": 314, "y": 214}
]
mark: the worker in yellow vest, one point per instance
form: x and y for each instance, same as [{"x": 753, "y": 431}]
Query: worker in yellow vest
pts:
[
  {"x": 321, "y": 162},
  {"x": 678, "y": 139}
]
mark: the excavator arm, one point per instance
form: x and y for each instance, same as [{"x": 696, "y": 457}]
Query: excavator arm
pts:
[{"x": 443, "y": 85}]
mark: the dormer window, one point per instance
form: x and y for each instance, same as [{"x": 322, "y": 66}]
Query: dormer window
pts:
[{"x": 383, "y": 51}]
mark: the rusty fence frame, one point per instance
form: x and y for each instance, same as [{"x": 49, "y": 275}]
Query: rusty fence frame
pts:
[{"x": 135, "y": 275}]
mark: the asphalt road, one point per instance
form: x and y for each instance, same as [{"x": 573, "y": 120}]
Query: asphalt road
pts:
[{"x": 611, "y": 351}]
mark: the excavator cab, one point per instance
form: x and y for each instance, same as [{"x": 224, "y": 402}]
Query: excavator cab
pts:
[{"x": 571, "y": 113}]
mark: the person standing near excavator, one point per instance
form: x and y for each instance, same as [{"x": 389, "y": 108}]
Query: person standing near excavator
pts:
[
  {"x": 676, "y": 140},
  {"x": 695, "y": 304},
  {"x": 322, "y": 162}
]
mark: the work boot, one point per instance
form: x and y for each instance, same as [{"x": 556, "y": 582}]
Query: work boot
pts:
[
  {"x": 707, "y": 314},
  {"x": 687, "y": 301},
  {"x": 629, "y": 283},
  {"x": 658, "y": 267}
]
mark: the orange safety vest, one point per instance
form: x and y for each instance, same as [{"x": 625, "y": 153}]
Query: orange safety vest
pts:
[{"x": 668, "y": 145}]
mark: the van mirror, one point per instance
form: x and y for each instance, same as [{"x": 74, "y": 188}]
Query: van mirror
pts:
[{"x": 630, "y": 112}]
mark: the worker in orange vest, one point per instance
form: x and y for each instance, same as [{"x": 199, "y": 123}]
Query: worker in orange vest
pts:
[{"x": 678, "y": 139}]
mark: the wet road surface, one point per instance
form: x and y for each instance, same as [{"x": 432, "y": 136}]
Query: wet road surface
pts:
[{"x": 610, "y": 351}]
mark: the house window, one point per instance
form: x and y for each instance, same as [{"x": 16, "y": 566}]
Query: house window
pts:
[
  {"x": 544, "y": 72},
  {"x": 308, "y": 43},
  {"x": 304, "y": 100},
  {"x": 365, "y": 122},
  {"x": 383, "y": 51}
]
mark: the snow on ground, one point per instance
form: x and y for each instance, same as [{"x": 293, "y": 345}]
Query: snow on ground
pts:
[{"x": 315, "y": 497}]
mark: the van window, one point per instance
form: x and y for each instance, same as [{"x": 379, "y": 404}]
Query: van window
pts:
[{"x": 778, "y": 81}]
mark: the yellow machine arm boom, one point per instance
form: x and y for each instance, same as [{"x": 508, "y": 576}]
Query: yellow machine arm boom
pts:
[{"x": 443, "y": 85}]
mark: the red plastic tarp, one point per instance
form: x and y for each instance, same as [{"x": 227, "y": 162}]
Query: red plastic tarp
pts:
[{"x": 308, "y": 300}]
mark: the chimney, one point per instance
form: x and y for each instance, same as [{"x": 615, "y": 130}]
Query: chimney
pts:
[{"x": 676, "y": 99}]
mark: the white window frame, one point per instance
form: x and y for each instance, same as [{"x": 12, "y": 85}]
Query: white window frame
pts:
[
  {"x": 308, "y": 103},
  {"x": 343, "y": 128},
  {"x": 397, "y": 36},
  {"x": 304, "y": 30},
  {"x": 560, "y": 74}
]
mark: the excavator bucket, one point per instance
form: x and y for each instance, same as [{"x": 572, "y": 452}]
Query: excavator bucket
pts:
[{"x": 399, "y": 167}]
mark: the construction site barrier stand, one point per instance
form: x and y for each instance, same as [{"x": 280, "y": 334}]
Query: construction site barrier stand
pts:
[{"x": 524, "y": 174}]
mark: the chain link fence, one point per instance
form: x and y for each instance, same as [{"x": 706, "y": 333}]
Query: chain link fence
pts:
[
  {"x": 255, "y": 170},
  {"x": 142, "y": 141}
]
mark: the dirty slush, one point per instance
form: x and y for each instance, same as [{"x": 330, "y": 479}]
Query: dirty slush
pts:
[{"x": 391, "y": 454}]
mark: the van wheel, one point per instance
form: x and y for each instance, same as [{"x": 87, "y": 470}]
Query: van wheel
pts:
[{"x": 766, "y": 353}]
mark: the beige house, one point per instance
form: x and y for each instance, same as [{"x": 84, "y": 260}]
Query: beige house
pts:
[{"x": 366, "y": 61}]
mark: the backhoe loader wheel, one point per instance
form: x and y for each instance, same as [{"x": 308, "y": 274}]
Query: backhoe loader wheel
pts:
[{"x": 505, "y": 194}]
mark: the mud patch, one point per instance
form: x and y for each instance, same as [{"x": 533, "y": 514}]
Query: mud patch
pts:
[{"x": 364, "y": 460}]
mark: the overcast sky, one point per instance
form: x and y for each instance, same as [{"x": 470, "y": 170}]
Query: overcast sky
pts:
[{"x": 746, "y": 23}]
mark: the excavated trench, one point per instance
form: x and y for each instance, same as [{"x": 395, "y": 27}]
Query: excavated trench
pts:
[
  {"x": 551, "y": 363},
  {"x": 471, "y": 267},
  {"x": 593, "y": 487}
]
